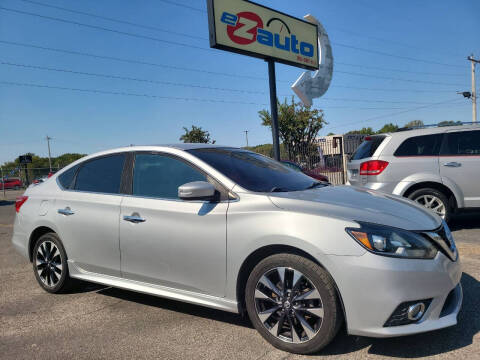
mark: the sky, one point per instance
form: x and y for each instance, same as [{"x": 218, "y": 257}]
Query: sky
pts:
[{"x": 394, "y": 61}]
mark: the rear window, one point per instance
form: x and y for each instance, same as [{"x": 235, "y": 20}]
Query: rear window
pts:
[
  {"x": 426, "y": 145},
  {"x": 368, "y": 147}
]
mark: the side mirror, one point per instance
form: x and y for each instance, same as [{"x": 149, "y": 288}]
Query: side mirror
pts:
[{"x": 196, "y": 190}]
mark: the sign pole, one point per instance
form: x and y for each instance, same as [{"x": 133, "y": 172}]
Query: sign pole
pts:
[{"x": 273, "y": 108}]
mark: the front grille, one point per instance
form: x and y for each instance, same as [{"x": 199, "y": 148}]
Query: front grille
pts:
[{"x": 399, "y": 316}]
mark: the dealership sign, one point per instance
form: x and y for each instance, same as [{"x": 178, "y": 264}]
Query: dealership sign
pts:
[{"x": 255, "y": 30}]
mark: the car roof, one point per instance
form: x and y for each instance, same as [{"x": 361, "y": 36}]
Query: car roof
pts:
[
  {"x": 433, "y": 130},
  {"x": 190, "y": 146}
]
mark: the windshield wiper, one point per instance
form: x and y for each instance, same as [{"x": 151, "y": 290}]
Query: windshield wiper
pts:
[
  {"x": 278, "y": 189},
  {"x": 315, "y": 184}
]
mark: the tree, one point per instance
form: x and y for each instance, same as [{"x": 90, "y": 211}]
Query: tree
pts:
[
  {"x": 414, "y": 123},
  {"x": 298, "y": 127},
  {"x": 196, "y": 135},
  {"x": 388, "y": 128},
  {"x": 363, "y": 131},
  {"x": 330, "y": 134},
  {"x": 449, "y": 123}
]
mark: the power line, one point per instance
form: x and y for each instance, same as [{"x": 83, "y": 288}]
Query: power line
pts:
[
  {"x": 396, "y": 79},
  {"x": 131, "y": 61},
  {"x": 96, "y": 27},
  {"x": 394, "y": 55},
  {"x": 396, "y": 113},
  {"x": 350, "y": 46},
  {"x": 141, "y": 62},
  {"x": 120, "y": 21},
  {"x": 149, "y": 27},
  {"x": 390, "y": 89},
  {"x": 170, "y": 83},
  {"x": 332, "y": 27},
  {"x": 182, "y": 5},
  {"x": 124, "y": 93},
  {"x": 397, "y": 70}
]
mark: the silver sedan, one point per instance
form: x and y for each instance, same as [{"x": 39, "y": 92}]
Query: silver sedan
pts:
[{"x": 234, "y": 230}]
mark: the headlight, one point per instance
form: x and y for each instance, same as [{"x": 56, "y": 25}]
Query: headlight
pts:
[
  {"x": 449, "y": 236},
  {"x": 384, "y": 240}
]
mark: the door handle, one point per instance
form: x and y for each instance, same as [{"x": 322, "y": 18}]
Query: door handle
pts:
[
  {"x": 452, "y": 164},
  {"x": 67, "y": 211},
  {"x": 133, "y": 219}
]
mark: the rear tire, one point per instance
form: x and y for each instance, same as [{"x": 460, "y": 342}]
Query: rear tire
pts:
[
  {"x": 434, "y": 200},
  {"x": 50, "y": 264},
  {"x": 308, "y": 314}
]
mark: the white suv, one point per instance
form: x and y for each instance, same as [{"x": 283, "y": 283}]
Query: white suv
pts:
[{"x": 437, "y": 167}]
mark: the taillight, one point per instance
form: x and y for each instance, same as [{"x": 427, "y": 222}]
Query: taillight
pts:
[
  {"x": 19, "y": 202},
  {"x": 373, "y": 167}
]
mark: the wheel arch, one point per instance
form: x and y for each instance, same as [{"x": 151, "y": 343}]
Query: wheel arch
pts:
[
  {"x": 437, "y": 186},
  {"x": 261, "y": 253},
  {"x": 34, "y": 236}
]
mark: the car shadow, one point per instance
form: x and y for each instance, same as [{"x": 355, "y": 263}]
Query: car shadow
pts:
[
  {"x": 6, "y": 202},
  {"x": 414, "y": 346},
  {"x": 465, "y": 220},
  {"x": 421, "y": 345},
  {"x": 177, "y": 306}
]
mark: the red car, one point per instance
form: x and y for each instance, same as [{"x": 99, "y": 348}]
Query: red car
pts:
[
  {"x": 11, "y": 184},
  {"x": 310, "y": 173}
]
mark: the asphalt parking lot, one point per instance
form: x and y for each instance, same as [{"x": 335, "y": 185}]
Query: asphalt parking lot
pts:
[{"x": 100, "y": 322}]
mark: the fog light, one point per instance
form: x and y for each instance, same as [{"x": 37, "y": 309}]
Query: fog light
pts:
[
  {"x": 416, "y": 311},
  {"x": 409, "y": 312}
]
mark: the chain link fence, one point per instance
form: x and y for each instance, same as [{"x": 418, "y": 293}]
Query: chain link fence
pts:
[{"x": 327, "y": 156}]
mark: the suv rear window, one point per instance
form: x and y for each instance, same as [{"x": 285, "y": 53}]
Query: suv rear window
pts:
[
  {"x": 426, "y": 145},
  {"x": 368, "y": 147}
]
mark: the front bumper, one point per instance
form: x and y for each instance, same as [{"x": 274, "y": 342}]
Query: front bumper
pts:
[{"x": 372, "y": 286}]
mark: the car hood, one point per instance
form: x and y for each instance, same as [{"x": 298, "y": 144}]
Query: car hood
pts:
[{"x": 351, "y": 203}]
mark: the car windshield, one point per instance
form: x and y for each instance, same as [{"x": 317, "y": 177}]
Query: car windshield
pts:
[{"x": 253, "y": 171}]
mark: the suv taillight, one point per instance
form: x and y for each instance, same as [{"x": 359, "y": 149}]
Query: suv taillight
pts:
[
  {"x": 19, "y": 202},
  {"x": 373, "y": 167}
]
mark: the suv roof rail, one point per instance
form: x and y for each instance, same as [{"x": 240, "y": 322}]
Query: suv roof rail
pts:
[{"x": 456, "y": 123}]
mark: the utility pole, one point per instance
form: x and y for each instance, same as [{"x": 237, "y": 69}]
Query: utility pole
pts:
[
  {"x": 49, "y": 156},
  {"x": 246, "y": 136},
  {"x": 3, "y": 182},
  {"x": 473, "y": 62}
]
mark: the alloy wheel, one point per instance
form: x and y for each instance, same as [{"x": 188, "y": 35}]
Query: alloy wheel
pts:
[
  {"x": 432, "y": 203},
  {"x": 288, "y": 305},
  {"x": 49, "y": 263}
]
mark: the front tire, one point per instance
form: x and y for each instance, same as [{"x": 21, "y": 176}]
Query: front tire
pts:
[
  {"x": 50, "y": 264},
  {"x": 433, "y": 200},
  {"x": 293, "y": 304}
]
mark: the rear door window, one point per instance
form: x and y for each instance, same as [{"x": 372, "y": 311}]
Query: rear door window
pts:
[
  {"x": 368, "y": 147},
  {"x": 101, "y": 175},
  {"x": 462, "y": 143},
  {"x": 425, "y": 145}
]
